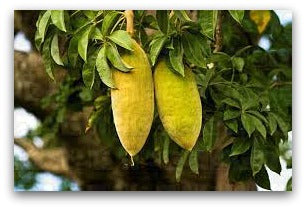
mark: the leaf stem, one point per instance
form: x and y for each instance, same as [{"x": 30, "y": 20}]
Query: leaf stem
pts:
[{"x": 218, "y": 33}]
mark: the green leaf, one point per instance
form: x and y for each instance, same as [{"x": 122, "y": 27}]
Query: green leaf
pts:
[
  {"x": 289, "y": 185},
  {"x": 122, "y": 38},
  {"x": 97, "y": 34},
  {"x": 205, "y": 81},
  {"x": 258, "y": 115},
  {"x": 257, "y": 157},
  {"x": 240, "y": 146},
  {"x": 262, "y": 179},
  {"x": 259, "y": 126},
  {"x": 155, "y": 47},
  {"x": 230, "y": 114},
  {"x": 272, "y": 157},
  {"x": 43, "y": 24},
  {"x": 248, "y": 123},
  {"x": 46, "y": 56},
  {"x": 281, "y": 123},
  {"x": 193, "y": 52},
  {"x": 237, "y": 15},
  {"x": 176, "y": 57},
  {"x": 238, "y": 63},
  {"x": 209, "y": 134},
  {"x": 73, "y": 50},
  {"x": 37, "y": 40},
  {"x": 166, "y": 148},
  {"x": 103, "y": 69},
  {"x": 180, "y": 165},
  {"x": 249, "y": 99},
  {"x": 55, "y": 51},
  {"x": 182, "y": 15},
  {"x": 58, "y": 19},
  {"x": 114, "y": 57},
  {"x": 162, "y": 20},
  {"x": 272, "y": 124},
  {"x": 193, "y": 161},
  {"x": 232, "y": 124},
  {"x": 83, "y": 43},
  {"x": 231, "y": 102},
  {"x": 208, "y": 20},
  {"x": 88, "y": 72},
  {"x": 90, "y": 14},
  {"x": 108, "y": 22}
]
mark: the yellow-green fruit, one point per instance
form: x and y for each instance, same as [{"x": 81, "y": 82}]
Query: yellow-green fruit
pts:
[
  {"x": 133, "y": 101},
  {"x": 179, "y": 105}
]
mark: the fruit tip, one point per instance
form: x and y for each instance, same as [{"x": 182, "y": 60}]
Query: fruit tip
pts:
[{"x": 132, "y": 160}]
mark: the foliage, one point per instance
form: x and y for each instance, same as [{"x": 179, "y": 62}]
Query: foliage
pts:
[{"x": 244, "y": 88}]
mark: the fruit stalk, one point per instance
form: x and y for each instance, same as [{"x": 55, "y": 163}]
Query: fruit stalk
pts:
[{"x": 129, "y": 15}]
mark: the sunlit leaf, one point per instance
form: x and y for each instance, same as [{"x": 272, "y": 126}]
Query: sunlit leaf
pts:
[
  {"x": 122, "y": 38},
  {"x": 83, "y": 43},
  {"x": 114, "y": 57},
  {"x": 237, "y": 15},
  {"x": 58, "y": 19},
  {"x": 208, "y": 20},
  {"x": 55, "y": 51},
  {"x": 182, "y": 15},
  {"x": 155, "y": 48},
  {"x": 176, "y": 57},
  {"x": 103, "y": 69},
  {"x": 109, "y": 21},
  {"x": 43, "y": 24}
]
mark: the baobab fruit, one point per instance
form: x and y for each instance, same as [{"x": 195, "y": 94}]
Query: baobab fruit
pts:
[
  {"x": 133, "y": 100},
  {"x": 179, "y": 104}
]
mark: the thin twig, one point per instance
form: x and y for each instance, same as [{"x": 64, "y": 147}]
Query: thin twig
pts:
[
  {"x": 279, "y": 84},
  {"x": 218, "y": 33}
]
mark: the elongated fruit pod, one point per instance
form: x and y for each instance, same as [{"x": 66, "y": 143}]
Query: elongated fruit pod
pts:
[
  {"x": 133, "y": 101},
  {"x": 179, "y": 104}
]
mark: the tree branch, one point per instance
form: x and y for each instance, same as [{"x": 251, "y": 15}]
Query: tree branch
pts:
[
  {"x": 31, "y": 82},
  {"x": 218, "y": 33},
  {"x": 52, "y": 160}
]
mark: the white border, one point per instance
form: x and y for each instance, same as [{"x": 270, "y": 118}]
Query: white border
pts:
[{"x": 155, "y": 200}]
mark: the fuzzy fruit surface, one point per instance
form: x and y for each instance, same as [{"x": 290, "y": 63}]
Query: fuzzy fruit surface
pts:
[
  {"x": 133, "y": 101},
  {"x": 179, "y": 105}
]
